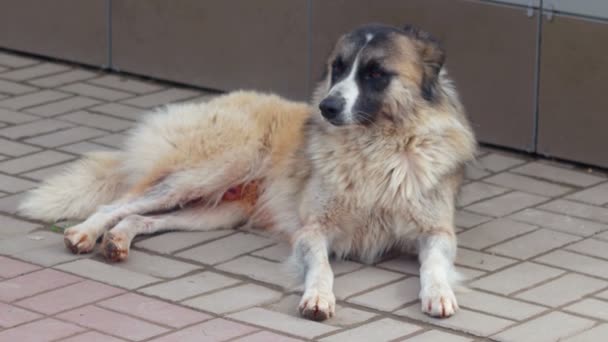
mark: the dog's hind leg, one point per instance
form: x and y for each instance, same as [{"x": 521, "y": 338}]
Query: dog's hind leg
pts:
[{"x": 116, "y": 242}]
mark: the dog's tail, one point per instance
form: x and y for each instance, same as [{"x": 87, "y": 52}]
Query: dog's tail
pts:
[{"x": 76, "y": 192}]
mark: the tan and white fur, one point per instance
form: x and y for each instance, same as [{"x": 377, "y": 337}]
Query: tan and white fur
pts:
[{"x": 373, "y": 165}]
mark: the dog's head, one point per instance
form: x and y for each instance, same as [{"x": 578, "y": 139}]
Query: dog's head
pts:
[{"x": 378, "y": 72}]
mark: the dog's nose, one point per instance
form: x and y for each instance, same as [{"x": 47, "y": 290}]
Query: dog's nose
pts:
[{"x": 331, "y": 107}]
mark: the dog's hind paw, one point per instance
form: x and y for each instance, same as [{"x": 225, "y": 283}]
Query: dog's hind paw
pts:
[
  {"x": 439, "y": 301},
  {"x": 115, "y": 246},
  {"x": 317, "y": 306},
  {"x": 78, "y": 241}
]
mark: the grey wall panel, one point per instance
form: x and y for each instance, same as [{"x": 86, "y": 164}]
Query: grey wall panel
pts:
[
  {"x": 573, "y": 107},
  {"x": 533, "y": 3},
  {"x": 221, "y": 44},
  {"x": 594, "y": 8},
  {"x": 491, "y": 53},
  {"x": 74, "y": 30}
]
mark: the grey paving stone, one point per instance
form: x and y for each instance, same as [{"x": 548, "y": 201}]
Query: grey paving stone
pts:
[
  {"x": 120, "y": 110},
  {"x": 532, "y": 244},
  {"x": 126, "y": 84},
  {"x": 506, "y": 204},
  {"x": 576, "y": 262},
  {"x": 11, "y": 116},
  {"x": 14, "y": 184},
  {"x": 62, "y": 78},
  {"x": 182, "y": 288},
  {"x": 15, "y": 149},
  {"x": 567, "y": 224},
  {"x": 558, "y": 174},
  {"x": 14, "y": 61},
  {"x": 390, "y": 297},
  {"x": 361, "y": 280},
  {"x": 84, "y": 147},
  {"x": 234, "y": 299},
  {"x": 597, "y": 195},
  {"x": 598, "y": 333},
  {"x": 591, "y": 247},
  {"x": 10, "y": 227},
  {"x": 585, "y": 211},
  {"x": 42, "y": 174},
  {"x": 64, "y": 137},
  {"x": 492, "y": 232},
  {"x": 50, "y": 255},
  {"x": 527, "y": 184},
  {"x": 475, "y": 171},
  {"x": 497, "y": 305},
  {"x": 260, "y": 269},
  {"x": 226, "y": 248},
  {"x": 265, "y": 336},
  {"x": 37, "y": 70},
  {"x": 340, "y": 267},
  {"x": 113, "y": 140},
  {"x": 96, "y": 92},
  {"x": 477, "y": 191},
  {"x": 466, "y": 219},
  {"x": 385, "y": 329},
  {"x": 161, "y": 97},
  {"x": 549, "y": 328},
  {"x": 8, "y": 204},
  {"x": 563, "y": 290},
  {"x": 14, "y": 88},
  {"x": 465, "y": 321},
  {"x": 62, "y": 106},
  {"x": 33, "y": 128},
  {"x": 498, "y": 162},
  {"x": 32, "y": 99},
  {"x": 282, "y": 322},
  {"x": 156, "y": 266},
  {"x": 437, "y": 336},
  {"x": 590, "y": 307},
  {"x": 279, "y": 252},
  {"x": 97, "y": 121},
  {"x": 24, "y": 242},
  {"x": 603, "y": 295},
  {"x": 516, "y": 278},
  {"x": 168, "y": 243},
  {"x": 33, "y": 161},
  {"x": 479, "y": 260},
  {"x": 107, "y": 273}
]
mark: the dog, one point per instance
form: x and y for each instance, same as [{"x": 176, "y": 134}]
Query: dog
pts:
[{"x": 373, "y": 164}]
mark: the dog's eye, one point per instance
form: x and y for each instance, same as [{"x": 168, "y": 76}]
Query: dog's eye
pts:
[
  {"x": 374, "y": 74},
  {"x": 337, "y": 68}
]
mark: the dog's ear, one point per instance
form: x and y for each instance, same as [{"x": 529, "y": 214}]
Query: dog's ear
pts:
[{"x": 433, "y": 57}]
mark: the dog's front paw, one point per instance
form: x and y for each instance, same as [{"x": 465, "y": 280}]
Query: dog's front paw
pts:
[
  {"x": 115, "y": 246},
  {"x": 317, "y": 306},
  {"x": 438, "y": 300},
  {"x": 78, "y": 241}
]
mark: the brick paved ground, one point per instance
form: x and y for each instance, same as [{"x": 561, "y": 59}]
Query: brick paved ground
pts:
[{"x": 533, "y": 242}]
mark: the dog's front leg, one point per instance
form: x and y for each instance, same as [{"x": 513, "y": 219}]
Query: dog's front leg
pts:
[
  {"x": 311, "y": 251},
  {"x": 437, "y": 251}
]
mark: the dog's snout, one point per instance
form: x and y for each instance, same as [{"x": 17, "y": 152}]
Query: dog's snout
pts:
[{"x": 331, "y": 107}]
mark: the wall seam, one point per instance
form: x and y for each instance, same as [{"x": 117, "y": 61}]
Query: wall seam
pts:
[
  {"x": 109, "y": 33},
  {"x": 537, "y": 76}
]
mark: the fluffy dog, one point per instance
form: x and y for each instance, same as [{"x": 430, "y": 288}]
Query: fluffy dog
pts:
[{"x": 373, "y": 165}]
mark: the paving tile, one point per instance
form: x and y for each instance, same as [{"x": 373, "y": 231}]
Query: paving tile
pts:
[
  {"x": 226, "y": 248},
  {"x": 386, "y": 329},
  {"x": 37, "y": 70},
  {"x": 112, "y": 140},
  {"x": 532, "y": 244},
  {"x": 48, "y": 329},
  {"x": 234, "y": 299},
  {"x": 516, "y": 278},
  {"x": 340, "y": 267},
  {"x": 475, "y": 171},
  {"x": 506, "y": 204},
  {"x": 84, "y": 147},
  {"x": 466, "y": 219},
  {"x": 492, "y": 232},
  {"x": 603, "y": 295},
  {"x": 43, "y": 174},
  {"x": 390, "y": 297},
  {"x": 550, "y": 327},
  {"x": 33, "y": 128},
  {"x": 14, "y": 88},
  {"x": 279, "y": 252},
  {"x": 113, "y": 323},
  {"x": 558, "y": 174},
  {"x": 34, "y": 283},
  {"x": 101, "y": 93},
  {"x": 586, "y": 211},
  {"x": 498, "y": 162},
  {"x": 13, "y": 227},
  {"x": 161, "y": 97},
  {"x": 107, "y": 273},
  {"x": 168, "y": 243},
  {"x": 497, "y": 305},
  {"x": 69, "y": 297},
  {"x": 49, "y": 255},
  {"x": 11, "y": 315},
  {"x": 33, "y": 161},
  {"x": 156, "y": 266},
  {"x": 211, "y": 331},
  {"x": 193, "y": 285},
  {"x": 598, "y": 333},
  {"x": 591, "y": 247},
  {"x": 483, "y": 261},
  {"x": 465, "y": 321},
  {"x": 14, "y": 61},
  {"x": 563, "y": 290},
  {"x": 361, "y": 280},
  {"x": 32, "y": 99},
  {"x": 120, "y": 110},
  {"x": 62, "y": 78},
  {"x": 567, "y": 224},
  {"x": 597, "y": 195},
  {"x": 62, "y": 106},
  {"x": 259, "y": 269},
  {"x": 435, "y": 336},
  {"x": 576, "y": 262},
  {"x": 407, "y": 264},
  {"x": 15, "y": 149},
  {"x": 64, "y": 137},
  {"x": 14, "y": 184},
  {"x": 590, "y": 307},
  {"x": 126, "y": 84},
  {"x": 96, "y": 120},
  {"x": 527, "y": 184},
  {"x": 154, "y": 310},
  {"x": 477, "y": 191},
  {"x": 282, "y": 322},
  {"x": 11, "y": 116},
  {"x": 265, "y": 336},
  {"x": 92, "y": 336},
  {"x": 33, "y": 240}
]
